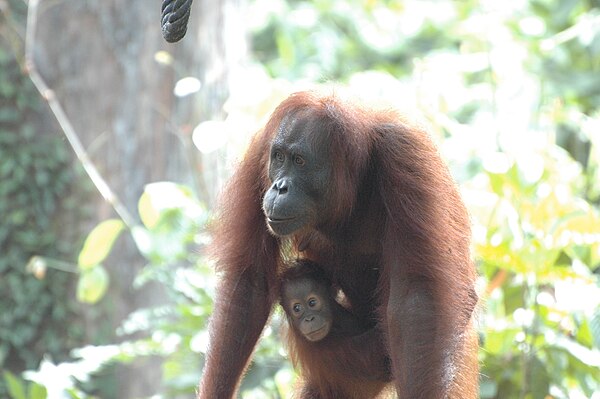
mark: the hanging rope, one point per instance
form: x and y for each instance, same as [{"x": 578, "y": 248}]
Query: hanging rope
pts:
[{"x": 174, "y": 19}]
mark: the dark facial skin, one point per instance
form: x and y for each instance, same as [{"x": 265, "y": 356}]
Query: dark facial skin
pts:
[
  {"x": 299, "y": 172},
  {"x": 309, "y": 309}
]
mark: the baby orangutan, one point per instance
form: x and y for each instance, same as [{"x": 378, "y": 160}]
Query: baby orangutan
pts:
[{"x": 339, "y": 356}]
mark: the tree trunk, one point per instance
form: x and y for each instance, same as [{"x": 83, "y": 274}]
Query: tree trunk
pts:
[{"x": 98, "y": 56}]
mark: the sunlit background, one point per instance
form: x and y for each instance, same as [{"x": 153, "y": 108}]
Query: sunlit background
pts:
[{"x": 110, "y": 175}]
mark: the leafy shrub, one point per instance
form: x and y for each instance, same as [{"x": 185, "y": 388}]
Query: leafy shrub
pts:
[{"x": 37, "y": 184}]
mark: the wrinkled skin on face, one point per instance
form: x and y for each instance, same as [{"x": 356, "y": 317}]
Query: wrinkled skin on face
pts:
[
  {"x": 299, "y": 171},
  {"x": 308, "y": 307}
]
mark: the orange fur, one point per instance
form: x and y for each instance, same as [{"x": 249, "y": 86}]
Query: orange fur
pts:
[{"x": 397, "y": 244}]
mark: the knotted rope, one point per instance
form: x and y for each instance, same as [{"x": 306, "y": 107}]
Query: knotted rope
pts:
[{"x": 174, "y": 20}]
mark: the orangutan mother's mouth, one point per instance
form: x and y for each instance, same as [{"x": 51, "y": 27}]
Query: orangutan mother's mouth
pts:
[{"x": 279, "y": 220}]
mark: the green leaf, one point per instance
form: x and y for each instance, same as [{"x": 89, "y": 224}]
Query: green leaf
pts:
[
  {"x": 563, "y": 259},
  {"x": 99, "y": 243},
  {"x": 16, "y": 388},
  {"x": 540, "y": 381},
  {"x": 143, "y": 240},
  {"x": 497, "y": 183},
  {"x": 595, "y": 327},
  {"x": 580, "y": 352},
  {"x": 92, "y": 285},
  {"x": 513, "y": 298},
  {"x": 584, "y": 334},
  {"x": 148, "y": 213},
  {"x": 503, "y": 341},
  {"x": 37, "y": 391},
  {"x": 580, "y": 222},
  {"x": 285, "y": 46}
]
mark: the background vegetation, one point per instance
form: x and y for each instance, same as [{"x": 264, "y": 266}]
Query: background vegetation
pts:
[
  {"x": 512, "y": 91},
  {"x": 37, "y": 185}
]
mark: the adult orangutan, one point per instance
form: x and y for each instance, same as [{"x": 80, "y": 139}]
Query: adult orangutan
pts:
[
  {"x": 338, "y": 354},
  {"x": 367, "y": 194}
]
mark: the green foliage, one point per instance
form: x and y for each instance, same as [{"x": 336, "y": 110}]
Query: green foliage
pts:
[
  {"x": 324, "y": 40},
  {"x": 540, "y": 246},
  {"x": 93, "y": 280},
  {"x": 98, "y": 243},
  {"x": 513, "y": 87},
  {"x": 171, "y": 237},
  {"x": 37, "y": 185},
  {"x": 18, "y": 389}
]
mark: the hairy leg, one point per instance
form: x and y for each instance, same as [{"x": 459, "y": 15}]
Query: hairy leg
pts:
[{"x": 241, "y": 310}]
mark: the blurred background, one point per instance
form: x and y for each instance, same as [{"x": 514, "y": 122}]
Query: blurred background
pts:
[{"x": 110, "y": 166}]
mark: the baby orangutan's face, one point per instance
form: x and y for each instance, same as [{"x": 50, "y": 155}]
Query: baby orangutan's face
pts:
[{"x": 309, "y": 309}]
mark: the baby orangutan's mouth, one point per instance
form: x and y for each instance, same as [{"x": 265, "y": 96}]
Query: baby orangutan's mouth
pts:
[{"x": 318, "y": 334}]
